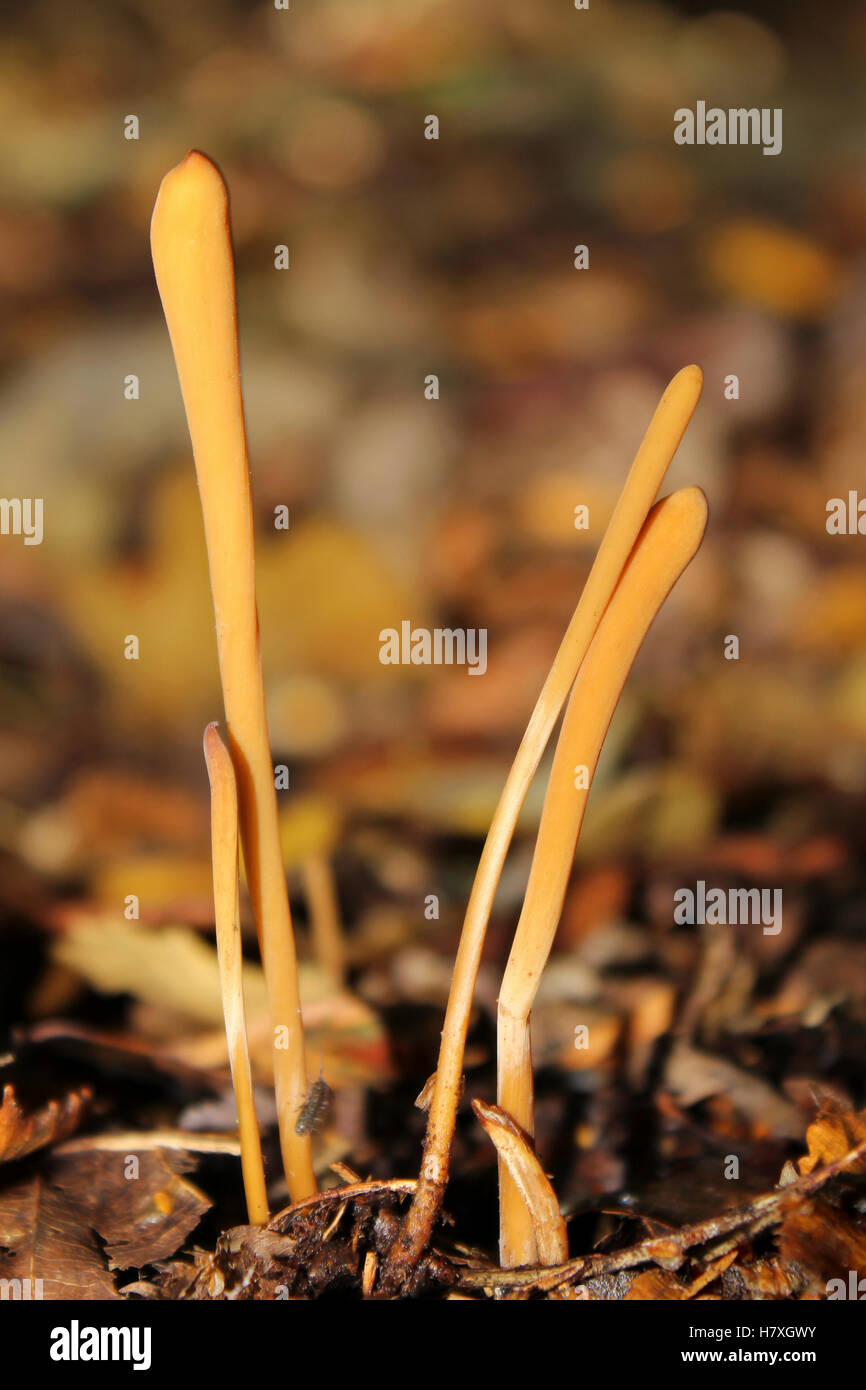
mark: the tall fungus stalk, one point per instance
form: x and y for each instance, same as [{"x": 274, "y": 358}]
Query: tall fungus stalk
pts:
[
  {"x": 666, "y": 545},
  {"x": 194, "y": 264}
]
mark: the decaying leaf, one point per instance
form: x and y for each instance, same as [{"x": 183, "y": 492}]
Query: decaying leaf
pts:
[
  {"x": 138, "y": 1201},
  {"x": 831, "y": 1136},
  {"x": 45, "y": 1235},
  {"x": 22, "y": 1132},
  {"x": 656, "y": 1285},
  {"x": 135, "y": 1203},
  {"x": 694, "y": 1076},
  {"x": 763, "y": 1279},
  {"x": 822, "y": 1241},
  {"x": 171, "y": 966}
]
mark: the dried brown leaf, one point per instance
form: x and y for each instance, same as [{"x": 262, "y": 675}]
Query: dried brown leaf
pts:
[
  {"x": 143, "y": 1211},
  {"x": 831, "y": 1136},
  {"x": 21, "y": 1132},
  {"x": 45, "y": 1235},
  {"x": 823, "y": 1241},
  {"x": 694, "y": 1076},
  {"x": 655, "y": 1285}
]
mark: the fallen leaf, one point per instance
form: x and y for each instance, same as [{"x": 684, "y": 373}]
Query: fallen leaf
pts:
[
  {"x": 823, "y": 1242},
  {"x": 144, "y": 1211},
  {"x": 656, "y": 1285},
  {"x": 833, "y": 1134},
  {"x": 170, "y": 966},
  {"x": 767, "y": 1279},
  {"x": 21, "y": 1133},
  {"x": 104, "y": 814},
  {"x": 694, "y": 1076},
  {"x": 46, "y": 1236}
]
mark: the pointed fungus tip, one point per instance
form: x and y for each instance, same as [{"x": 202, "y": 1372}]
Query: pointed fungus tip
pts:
[
  {"x": 194, "y": 182},
  {"x": 196, "y": 162}
]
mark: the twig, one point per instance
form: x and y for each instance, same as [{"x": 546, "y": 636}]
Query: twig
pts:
[
  {"x": 144, "y": 1140},
  {"x": 357, "y": 1192}
]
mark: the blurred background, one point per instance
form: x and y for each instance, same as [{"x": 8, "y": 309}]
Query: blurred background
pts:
[{"x": 453, "y": 257}]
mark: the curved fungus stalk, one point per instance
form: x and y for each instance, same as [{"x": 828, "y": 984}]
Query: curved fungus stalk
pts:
[
  {"x": 194, "y": 265},
  {"x": 224, "y": 851},
  {"x": 653, "y": 458},
  {"x": 668, "y": 542}
]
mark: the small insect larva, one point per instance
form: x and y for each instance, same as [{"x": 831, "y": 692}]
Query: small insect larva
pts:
[{"x": 314, "y": 1108}]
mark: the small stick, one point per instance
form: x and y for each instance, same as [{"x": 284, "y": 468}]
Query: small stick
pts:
[
  {"x": 321, "y": 894},
  {"x": 539, "y": 1199},
  {"x": 192, "y": 257},
  {"x": 658, "y": 447},
  {"x": 353, "y": 1192},
  {"x": 224, "y": 848},
  {"x": 667, "y": 543}
]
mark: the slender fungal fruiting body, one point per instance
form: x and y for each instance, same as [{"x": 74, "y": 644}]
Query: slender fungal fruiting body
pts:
[
  {"x": 192, "y": 257},
  {"x": 667, "y": 543},
  {"x": 321, "y": 894},
  {"x": 224, "y": 853},
  {"x": 658, "y": 447}
]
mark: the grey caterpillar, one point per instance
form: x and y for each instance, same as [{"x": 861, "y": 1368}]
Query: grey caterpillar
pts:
[{"x": 314, "y": 1108}]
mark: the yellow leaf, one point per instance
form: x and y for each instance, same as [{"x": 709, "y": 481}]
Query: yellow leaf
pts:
[{"x": 833, "y": 1134}]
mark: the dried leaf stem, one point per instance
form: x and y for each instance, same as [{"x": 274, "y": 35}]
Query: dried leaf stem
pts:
[
  {"x": 192, "y": 256},
  {"x": 667, "y": 543},
  {"x": 650, "y": 465},
  {"x": 224, "y": 851}
]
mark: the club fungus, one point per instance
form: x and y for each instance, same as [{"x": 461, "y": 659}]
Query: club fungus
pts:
[
  {"x": 321, "y": 894},
  {"x": 224, "y": 852},
  {"x": 667, "y": 543},
  {"x": 657, "y": 448},
  {"x": 194, "y": 264}
]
